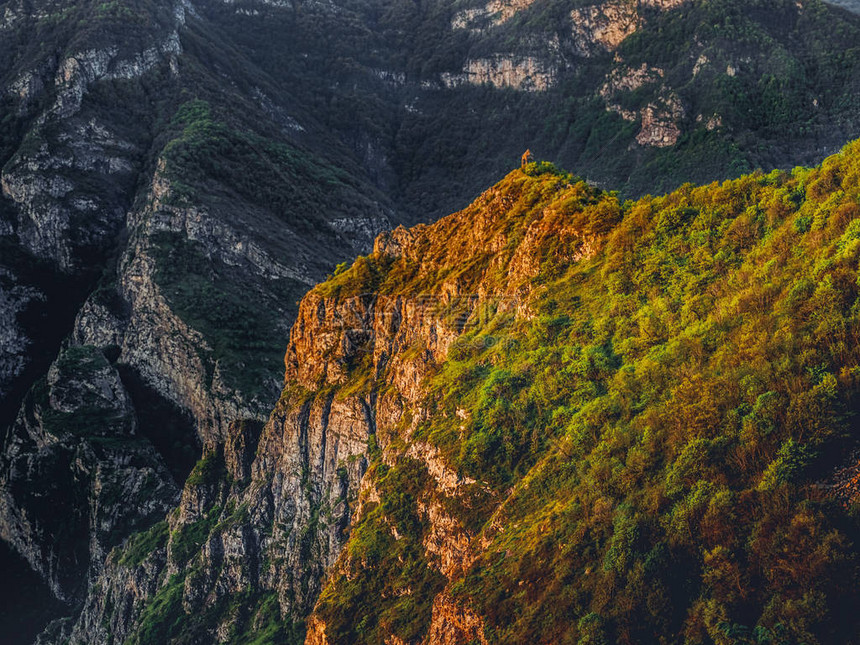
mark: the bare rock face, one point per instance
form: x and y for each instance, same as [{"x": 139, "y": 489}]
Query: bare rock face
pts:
[
  {"x": 240, "y": 447},
  {"x": 160, "y": 336},
  {"x": 56, "y": 219},
  {"x": 158, "y": 343},
  {"x": 277, "y": 533},
  {"x": 660, "y": 119},
  {"x": 60, "y": 216},
  {"x": 100, "y": 389},
  {"x": 660, "y": 123},
  {"x": 316, "y": 632},
  {"x": 14, "y": 341},
  {"x": 494, "y": 13},
  {"x": 663, "y": 4},
  {"x": 526, "y": 73},
  {"x": 602, "y": 27},
  {"x": 453, "y": 624},
  {"x": 626, "y": 79},
  {"x": 447, "y": 543},
  {"x": 68, "y": 460}
]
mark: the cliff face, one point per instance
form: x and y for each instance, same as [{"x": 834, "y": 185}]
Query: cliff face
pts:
[
  {"x": 77, "y": 477},
  {"x": 101, "y": 253}
]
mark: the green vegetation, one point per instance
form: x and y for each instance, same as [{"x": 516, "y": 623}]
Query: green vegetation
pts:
[
  {"x": 246, "y": 334},
  {"x": 141, "y": 545},
  {"x": 257, "y": 619},
  {"x": 163, "y": 617},
  {"x": 207, "y": 153},
  {"x": 659, "y": 428},
  {"x": 792, "y": 70},
  {"x": 387, "y": 587},
  {"x": 208, "y": 471},
  {"x": 185, "y": 542},
  {"x": 264, "y": 625}
]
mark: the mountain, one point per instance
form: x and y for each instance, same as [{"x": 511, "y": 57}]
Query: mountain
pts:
[
  {"x": 176, "y": 176},
  {"x": 555, "y": 416},
  {"x": 163, "y": 222}
]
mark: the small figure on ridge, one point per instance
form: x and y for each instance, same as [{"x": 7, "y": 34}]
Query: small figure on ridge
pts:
[{"x": 527, "y": 158}]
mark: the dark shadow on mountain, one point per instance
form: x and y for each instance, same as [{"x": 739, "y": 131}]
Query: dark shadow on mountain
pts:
[
  {"x": 170, "y": 429},
  {"x": 26, "y": 603}
]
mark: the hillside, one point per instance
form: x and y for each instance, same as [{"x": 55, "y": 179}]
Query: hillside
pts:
[
  {"x": 554, "y": 416},
  {"x": 640, "y": 450}
]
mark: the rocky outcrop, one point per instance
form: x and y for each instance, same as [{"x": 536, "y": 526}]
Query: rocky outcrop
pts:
[
  {"x": 494, "y": 13},
  {"x": 316, "y": 632},
  {"x": 168, "y": 353},
  {"x": 453, "y": 624},
  {"x": 278, "y": 532},
  {"x": 661, "y": 118},
  {"x": 76, "y": 476},
  {"x": 447, "y": 543},
  {"x": 65, "y": 188},
  {"x": 526, "y": 73},
  {"x": 627, "y": 79},
  {"x": 660, "y": 122},
  {"x": 68, "y": 172},
  {"x": 602, "y": 27},
  {"x": 663, "y": 4},
  {"x": 128, "y": 581}
]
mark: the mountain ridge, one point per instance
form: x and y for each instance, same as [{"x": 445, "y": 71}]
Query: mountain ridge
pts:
[{"x": 476, "y": 417}]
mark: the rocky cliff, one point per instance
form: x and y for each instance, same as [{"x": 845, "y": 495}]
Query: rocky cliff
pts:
[
  {"x": 485, "y": 425},
  {"x": 113, "y": 235},
  {"x": 266, "y": 514},
  {"x": 77, "y": 477}
]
